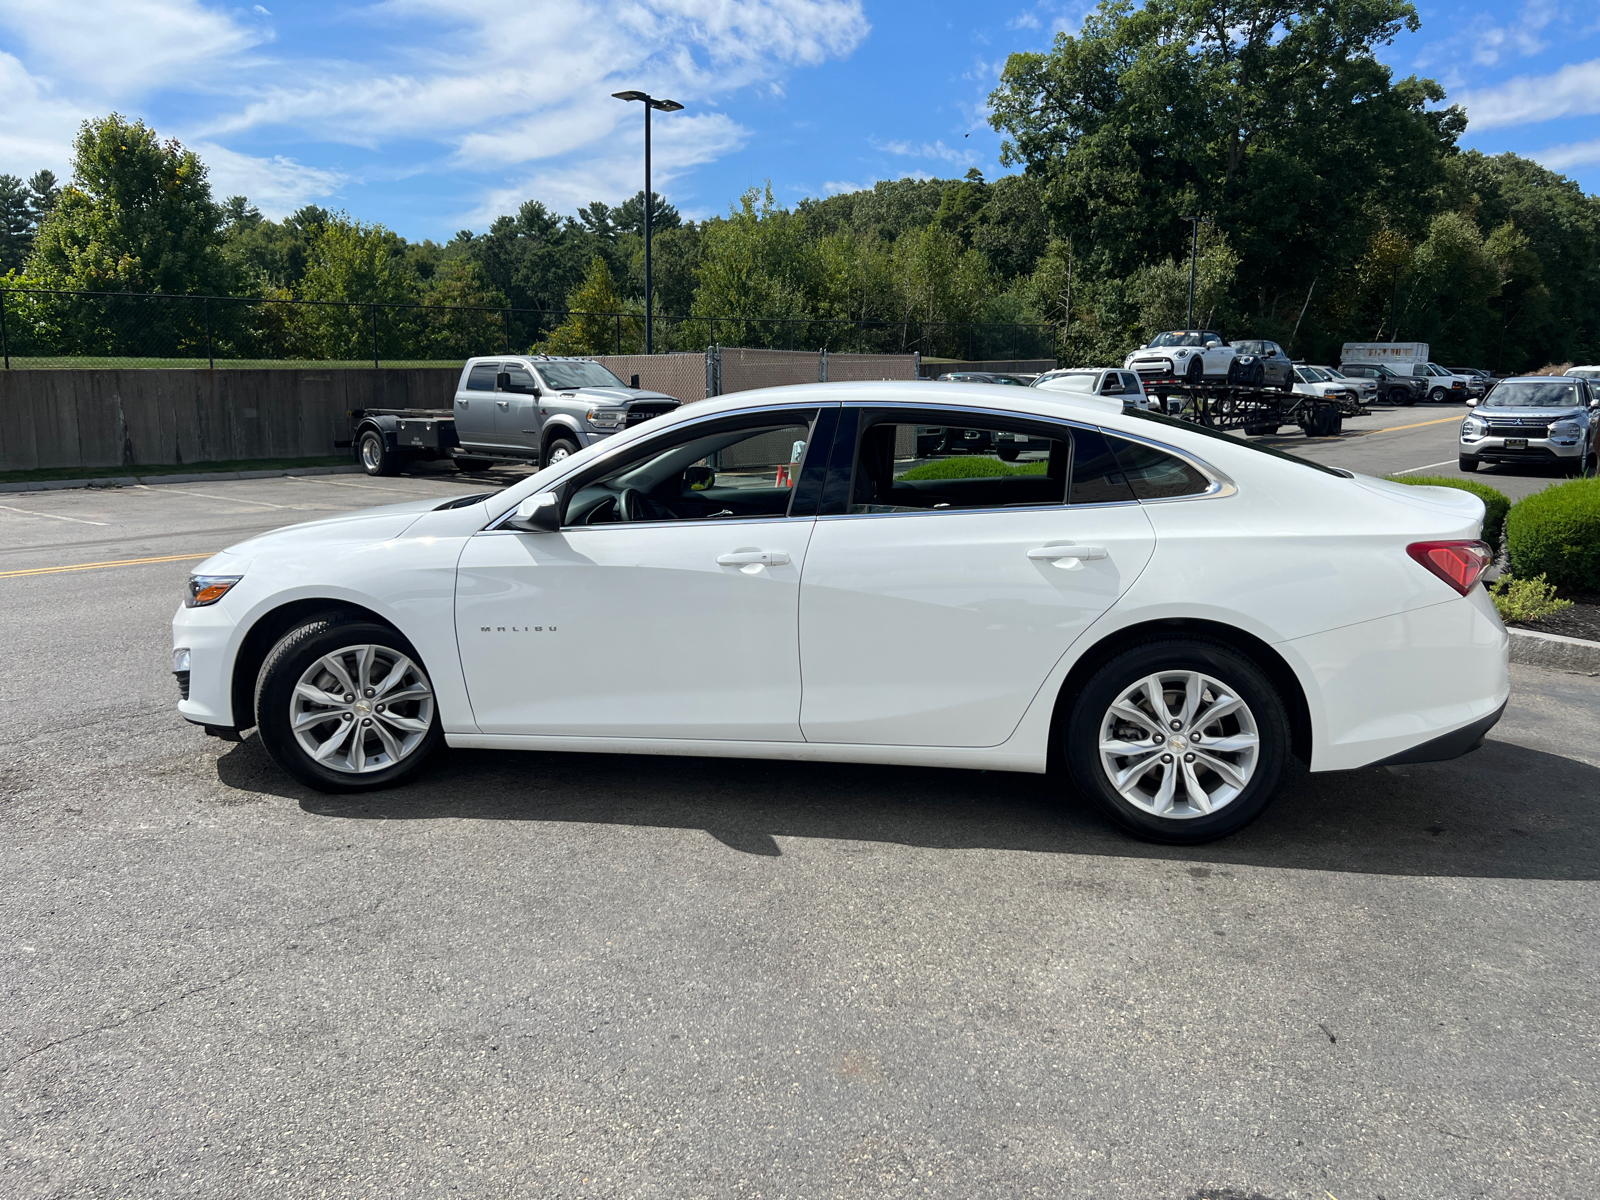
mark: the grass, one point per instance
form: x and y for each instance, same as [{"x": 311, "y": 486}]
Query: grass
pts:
[
  {"x": 975, "y": 467},
  {"x": 45, "y": 474},
  {"x": 1526, "y": 599},
  {"x": 223, "y": 364}
]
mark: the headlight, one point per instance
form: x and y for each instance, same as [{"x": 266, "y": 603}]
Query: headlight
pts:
[
  {"x": 1566, "y": 431},
  {"x": 1472, "y": 429},
  {"x": 208, "y": 589},
  {"x": 1183, "y": 353},
  {"x": 607, "y": 418}
]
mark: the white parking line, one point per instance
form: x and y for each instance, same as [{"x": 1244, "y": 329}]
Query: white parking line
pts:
[
  {"x": 1429, "y": 467},
  {"x": 371, "y": 487},
  {"x": 52, "y": 516},
  {"x": 225, "y": 499}
]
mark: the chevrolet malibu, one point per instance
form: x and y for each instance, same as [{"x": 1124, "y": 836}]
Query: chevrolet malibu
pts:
[{"x": 1166, "y": 613}]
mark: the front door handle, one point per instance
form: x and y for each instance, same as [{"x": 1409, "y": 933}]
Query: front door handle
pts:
[
  {"x": 772, "y": 558},
  {"x": 503, "y": 404},
  {"x": 1081, "y": 553}
]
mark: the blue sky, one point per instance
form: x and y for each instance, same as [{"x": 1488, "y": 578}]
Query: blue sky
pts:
[{"x": 435, "y": 115}]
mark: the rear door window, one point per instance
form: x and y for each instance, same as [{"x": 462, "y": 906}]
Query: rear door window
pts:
[{"x": 481, "y": 377}]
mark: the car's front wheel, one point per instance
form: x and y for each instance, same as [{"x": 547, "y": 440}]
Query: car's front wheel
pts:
[
  {"x": 1178, "y": 740},
  {"x": 559, "y": 450},
  {"x": 344, "y": 705},
  {"x": 1438, "y": 395},
  {"x": 1401, "y": 397},
  {"x": 1468, "y": 463}
]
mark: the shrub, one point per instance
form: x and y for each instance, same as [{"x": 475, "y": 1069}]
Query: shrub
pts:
[
  {"x": 1525, "y": 599},
  {"x": 1495, "y": 502},
  {"x": 1556, "y": 533},
  {"x": 976, "y": 467}
]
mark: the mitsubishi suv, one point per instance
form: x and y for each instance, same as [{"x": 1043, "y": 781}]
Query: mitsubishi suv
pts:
[{"x": 1550, "y": 420}]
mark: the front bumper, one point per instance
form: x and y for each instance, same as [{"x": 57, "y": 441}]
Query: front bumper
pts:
[
  {"x": 1536, "y": 450},
  {"x": 208, "y": 634}
]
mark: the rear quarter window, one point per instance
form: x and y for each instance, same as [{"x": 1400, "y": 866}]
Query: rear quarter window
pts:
[{"x": 1156, "y": 475}]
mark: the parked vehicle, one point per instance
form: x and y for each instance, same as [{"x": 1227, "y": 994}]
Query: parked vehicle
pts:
[
  {"x": 1309, "y": 381},
  {"x": 508, "y": 408},
  {"x": 1550, "y": 420},
  {"x": 1592, "y": 374},
  {"x": 1193, "y": 355},
  {"x": 999, "y": 377},
  {"x": 940, "y": 439},
  {"x": 1277, "y": 369},
  {"x": 1365, "y": 389},
  {"x": 1399, "y": 390},
  {"x": 1124, "y": 385},
  {"x": 1165, "y": 611}
]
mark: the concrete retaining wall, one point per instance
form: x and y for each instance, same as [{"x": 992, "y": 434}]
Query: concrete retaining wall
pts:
[{"x": 146, "y": 417}]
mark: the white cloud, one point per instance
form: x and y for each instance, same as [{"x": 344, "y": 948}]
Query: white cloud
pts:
[
  {"x": 1574, "y": 90},
  {"x": 1573, "y": 154},
  {"x": 117, "y": 48},
  {"x": 277, "y": 185},
  {"x": 936, "y": 150},
  {"x": 1483, "y": 43},
  {"x": 493, "y": 85}
]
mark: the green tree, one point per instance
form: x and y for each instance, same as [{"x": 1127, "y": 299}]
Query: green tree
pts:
[
  {"x": 138, "y": 217},
  {"x": 16, "y": 224},
  {"x": 592, "y": 326},
  {"x": 464, "y": 314},
  {"x": 357, "y": 274},
  {"x": 759, "y": 268}
]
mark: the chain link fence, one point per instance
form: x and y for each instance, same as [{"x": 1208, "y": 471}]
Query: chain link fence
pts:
[{"x": 43, "y": 328}]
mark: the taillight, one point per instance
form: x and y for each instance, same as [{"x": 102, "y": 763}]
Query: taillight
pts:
[{"x": 1460, "y": 564}]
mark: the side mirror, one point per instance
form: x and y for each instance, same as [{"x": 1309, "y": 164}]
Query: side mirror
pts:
[
  {"x": 540, "y": 513},
  {"x": 1472, "y": 402},
  {"x": 502, "y": 381},
  {"x": 633, "y": 382},
  {"x": 698, "y": 479}
]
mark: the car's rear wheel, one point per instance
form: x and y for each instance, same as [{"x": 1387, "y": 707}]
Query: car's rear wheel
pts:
[
  {"x": 344, "y": 705},
  {"x": 1008, "y": 455},
  {"x": 1178, "y": 740},
  {"x": 377, "y": 458}
]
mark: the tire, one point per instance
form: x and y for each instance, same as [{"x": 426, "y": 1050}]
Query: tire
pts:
[
  {"x": 1402, "y": 397},
  {"x": 472, "y": 464},
  {"x": 1258, "y": 728},
  {"x": 1008, "y": 455},
  {"x": 1438, "y": 395},
  {"x": 1287, "y": 386},
  {"x": 558, "y": 449},
  {"x": 1196, "y": 371},
  {"x": 407, "y": 731},
  {"x": 1469, "y": 465},
  {"x": 375, "y": 457}
]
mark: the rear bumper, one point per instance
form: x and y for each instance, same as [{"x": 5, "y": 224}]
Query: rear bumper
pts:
[
  {"x": 1380, "y": 690},
  {"x": 1447, "y": 746}
]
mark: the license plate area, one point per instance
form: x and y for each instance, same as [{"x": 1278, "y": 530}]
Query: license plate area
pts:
[{"x": 1516, "y": 443}]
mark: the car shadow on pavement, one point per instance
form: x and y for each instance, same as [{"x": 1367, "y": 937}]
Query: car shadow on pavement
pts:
[{"x": 1505, "y": 811}]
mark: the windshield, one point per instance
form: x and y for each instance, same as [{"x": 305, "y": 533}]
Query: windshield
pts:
[
  {"x": 1436, "y": 369},
  {"x": 1172, "y": 423},
  {"x": 1178, "y": 337},
  {"x": 1331, "y": 373},
  {"x": 1312, "y": 375},
  {"x": 563, "y": 376},
  {"x": 1083, "y": 380},
  {"x": 1533, "y": 395}
]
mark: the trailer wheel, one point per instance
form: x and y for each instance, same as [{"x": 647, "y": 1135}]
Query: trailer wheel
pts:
[{"x": 376, "y": 458}]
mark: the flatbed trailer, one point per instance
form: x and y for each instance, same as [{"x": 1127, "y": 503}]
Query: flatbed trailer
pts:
[{"x": 1256, "y": 410}]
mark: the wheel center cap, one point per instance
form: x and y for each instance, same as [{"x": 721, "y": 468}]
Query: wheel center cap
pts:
[
  {"x": 363, "y": 707},
  {"x": 1178, "y": 743}
]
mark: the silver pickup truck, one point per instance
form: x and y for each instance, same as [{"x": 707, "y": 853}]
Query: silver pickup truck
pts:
[{"x": 510, "y": 409}]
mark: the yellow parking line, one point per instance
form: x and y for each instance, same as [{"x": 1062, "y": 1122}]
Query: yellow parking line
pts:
[
  {"x": 1418, "y": 425},
  {"x": 96, "y": 566}
]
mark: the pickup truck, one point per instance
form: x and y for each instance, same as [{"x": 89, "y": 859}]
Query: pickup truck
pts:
[{"x": 524, "y": 409}]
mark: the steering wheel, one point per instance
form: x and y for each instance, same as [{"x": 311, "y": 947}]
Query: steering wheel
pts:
[{"x": 630, "y": 505}]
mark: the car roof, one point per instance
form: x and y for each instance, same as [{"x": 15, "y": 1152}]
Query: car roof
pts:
[{"x": 1545, "y": 379}]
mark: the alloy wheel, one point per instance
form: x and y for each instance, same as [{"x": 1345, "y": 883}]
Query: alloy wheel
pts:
[
  {"x": 1179, "y": 744},
  {"x": 361, "y": 709}
]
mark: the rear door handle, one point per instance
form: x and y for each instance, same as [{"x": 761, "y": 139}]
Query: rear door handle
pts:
[
  {"x": 772, "y": 558},
  {"x": 1082, "y": 553}
]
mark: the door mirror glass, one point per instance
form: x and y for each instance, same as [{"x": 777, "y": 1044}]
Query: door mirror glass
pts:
[
  {"x": 698, "y": 479},
  {"x": 539, "y": 513}
]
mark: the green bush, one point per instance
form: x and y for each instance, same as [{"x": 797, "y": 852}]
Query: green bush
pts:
[
  {"x": 1525, "y": 599},
  {"x": 975, "y": 467},
  {"x": 1556, "y": 533},
  {"x": 1495, "y": 502}
]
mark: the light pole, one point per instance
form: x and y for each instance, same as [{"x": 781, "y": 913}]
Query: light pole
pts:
[
  {"x": 649, "y": 102},
  {"x": 1194, "y": 253}
]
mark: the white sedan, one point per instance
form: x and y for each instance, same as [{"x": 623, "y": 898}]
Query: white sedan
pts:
[{"x": 1168, "y": 613}]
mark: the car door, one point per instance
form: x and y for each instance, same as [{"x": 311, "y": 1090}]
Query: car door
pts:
[
  {"x": 1216, "y": 355},
  {"x": 1277, "y": 368},
  {"x": 475, "y": 407},
  {"x": 937, "y": 597},
  {"x": 517, "y": 409},
  {"x": 679, "y": 623}
]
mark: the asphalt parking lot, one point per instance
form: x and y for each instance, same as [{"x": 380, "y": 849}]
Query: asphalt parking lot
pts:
[{"x": 567, "y": 976}]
